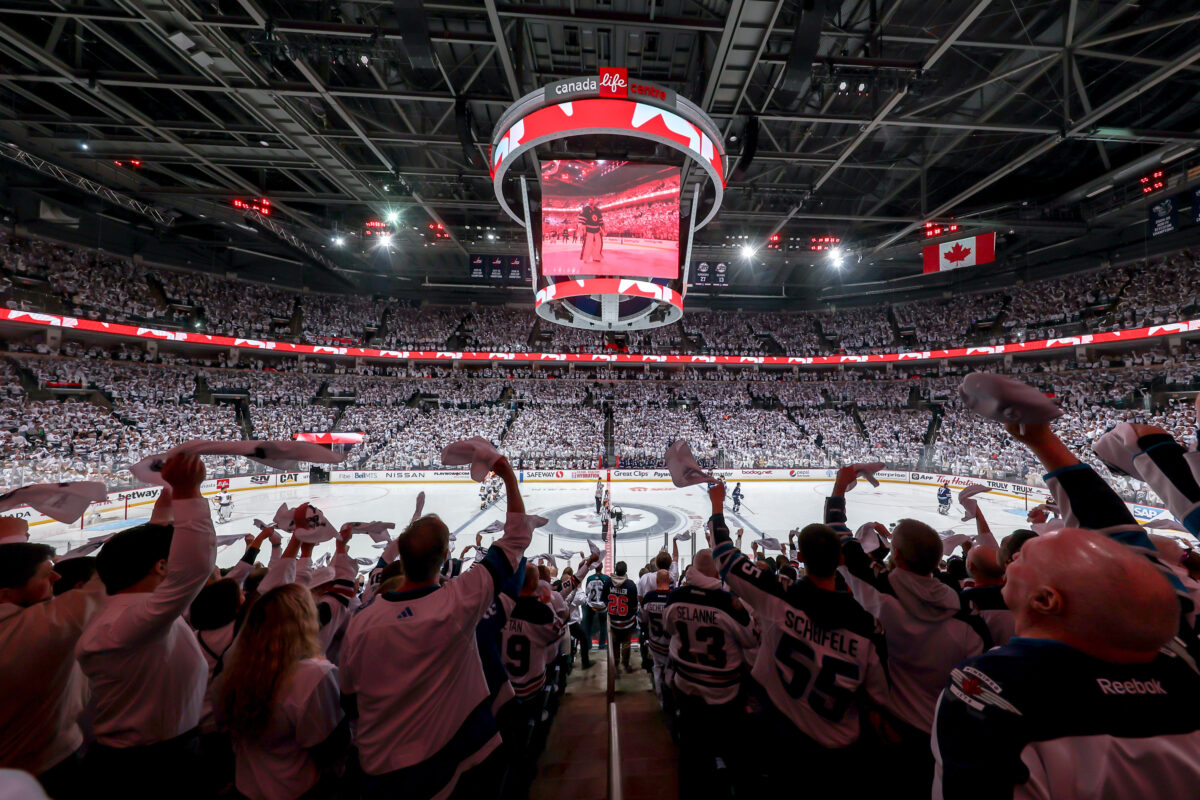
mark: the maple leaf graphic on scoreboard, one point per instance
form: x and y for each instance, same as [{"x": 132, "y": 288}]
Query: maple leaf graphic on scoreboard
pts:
[{"x": 957, "y": 253}]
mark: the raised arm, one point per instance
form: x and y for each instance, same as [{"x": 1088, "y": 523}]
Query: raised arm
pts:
[
  {"x": 161, "y": 513},
  {"x": 282, "y": 571},
  {"x": 747, "y": 580},
  {"x": 1173, "y": 473},
  {"x": 517, "y": 535},
  {"x": 189, "y": 563},
  {"x": 1085, "y": 499},
  {"x": 478, "y": 588},
  {"x": 239, "y": 571},
  {"x": 983, "y": 533},
  {"x": 304, "y": 565}
]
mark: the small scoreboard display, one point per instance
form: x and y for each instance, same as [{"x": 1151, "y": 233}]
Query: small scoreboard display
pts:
[
  {"x": 259, "y": 205},
  {"x": 1154, "y": 182},
  {"x": 373, "y": 228}
]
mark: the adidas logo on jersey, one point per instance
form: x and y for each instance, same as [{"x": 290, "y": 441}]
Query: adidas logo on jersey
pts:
[
  {"x": 407, "y": 612},
  {"x": 1130, "y": 687}
]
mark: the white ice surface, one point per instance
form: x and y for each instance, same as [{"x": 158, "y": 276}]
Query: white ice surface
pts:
[{"x": 769, "y": 509}]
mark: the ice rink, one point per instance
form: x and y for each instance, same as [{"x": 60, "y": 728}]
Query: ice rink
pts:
[
  {"x": 654, "y": 513},
  {"x": 642, "y": 257}
]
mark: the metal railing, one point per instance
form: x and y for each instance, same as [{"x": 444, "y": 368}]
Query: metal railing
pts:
[{"x": 615, "y": 778}]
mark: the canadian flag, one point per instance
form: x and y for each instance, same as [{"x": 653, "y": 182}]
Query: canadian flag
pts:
[{"x": 960, "y": 253}]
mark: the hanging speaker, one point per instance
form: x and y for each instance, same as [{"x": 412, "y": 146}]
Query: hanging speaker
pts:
[
  {"x": 806, "y": 39},
  {"x": 462, "y": 123},
  {"x": 410, "y": 16},
  {"x": 749, "y": 147}
]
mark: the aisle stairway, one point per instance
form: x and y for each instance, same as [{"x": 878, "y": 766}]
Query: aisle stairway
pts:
[{"x": 574, "y": 763}]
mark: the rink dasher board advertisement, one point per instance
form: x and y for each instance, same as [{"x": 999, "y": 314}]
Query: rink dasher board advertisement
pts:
[{"x": 118, "y": 502}]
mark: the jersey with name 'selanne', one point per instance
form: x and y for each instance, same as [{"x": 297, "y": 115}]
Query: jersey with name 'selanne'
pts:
[{"x": 710, "y": 635}]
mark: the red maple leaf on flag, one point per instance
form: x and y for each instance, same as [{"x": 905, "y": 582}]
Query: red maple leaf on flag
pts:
[{"x": 957, "y": 253}]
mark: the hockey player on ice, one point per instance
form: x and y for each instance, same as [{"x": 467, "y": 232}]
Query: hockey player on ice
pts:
[
  {"x": 223, "y": 501},
  {"x": 737, "y": 497},
  {"x": 943, "y": 496}
]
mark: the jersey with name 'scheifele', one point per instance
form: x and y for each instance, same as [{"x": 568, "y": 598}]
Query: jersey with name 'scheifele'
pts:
[
  {"x": 654, "y": 607},
  {"x": 820, "y": 654},
  {"x": 709, "y": 639},
  {"x": 622, "y": 602},
  {"x": 596, "y": 588},
  {"x": 1039, "y": 719},
  {"x": 527, "y": 642}
]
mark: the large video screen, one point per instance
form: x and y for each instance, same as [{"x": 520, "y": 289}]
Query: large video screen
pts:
[{"x": 613, "y": 218}]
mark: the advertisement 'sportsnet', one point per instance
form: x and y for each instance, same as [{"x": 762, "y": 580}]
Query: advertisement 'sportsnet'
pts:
[{"x": 610, "y": 218}]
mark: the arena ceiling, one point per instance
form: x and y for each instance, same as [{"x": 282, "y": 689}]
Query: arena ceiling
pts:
[{"x": 1005, "y": 115}]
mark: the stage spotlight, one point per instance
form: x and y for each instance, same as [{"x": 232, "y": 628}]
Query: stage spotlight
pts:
[
  {"x": 837, "y": 257},
  {"x": 392, "y": 217},
  {"x": 748, "y": 251},
  {"x": 385, "y": 240},
  {"x": 338, "y": 241}
]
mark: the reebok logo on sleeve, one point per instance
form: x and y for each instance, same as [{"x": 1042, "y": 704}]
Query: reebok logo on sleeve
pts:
[{"x": 1130, "y": 687}]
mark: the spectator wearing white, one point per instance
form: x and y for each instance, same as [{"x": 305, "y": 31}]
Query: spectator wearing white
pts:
[
  {"x": 147, "y": 672},
  {"x": 927, "y": 630},
  {"x": 279, "y": 698},
  {"x": 44, "y": 690},
  {"x": 411, "y": 667}
]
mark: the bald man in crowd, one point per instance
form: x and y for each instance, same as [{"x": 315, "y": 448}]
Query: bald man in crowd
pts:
[
  {"x": 986, "y": 592},
  {"x": 1091, "y": 699},
  {"x": 927, "y": 627},
  {"x": 651, "y": 607},
  {"x": 411, "y": 670}
]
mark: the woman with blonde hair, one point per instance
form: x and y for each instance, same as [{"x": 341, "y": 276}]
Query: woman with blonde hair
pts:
[{"x": 278, "y": 698}]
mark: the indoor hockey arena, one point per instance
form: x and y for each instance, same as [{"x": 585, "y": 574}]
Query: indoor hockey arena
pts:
[{"x": 599, "y": 399}]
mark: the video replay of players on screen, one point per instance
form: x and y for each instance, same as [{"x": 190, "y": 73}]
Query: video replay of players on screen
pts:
[{"x": 610, "y": 218}]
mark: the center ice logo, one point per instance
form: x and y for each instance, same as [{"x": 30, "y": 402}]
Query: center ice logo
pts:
[{"x": 580, "y": 521}]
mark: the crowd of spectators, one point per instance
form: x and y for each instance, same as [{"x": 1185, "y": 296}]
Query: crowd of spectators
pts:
[
  {"x": 419, "y": 327},
  {"x": 555, "y": 436},
  {"x": 336, "y": 676},
  {"x": 723, "y": 333},
  {"x": 497, "y": 329},
  {"x": 641, "y": 433},
  {"x": 859, "y": 330},
  {"x": 950, "y": 321},
  {"x": 230, "y": 307},
  {"x": 101, "y": 286},
  {"x": 339, "y": 320}
]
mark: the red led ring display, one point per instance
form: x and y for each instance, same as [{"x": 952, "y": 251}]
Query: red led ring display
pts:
[{"x": 529, "y": 123}]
